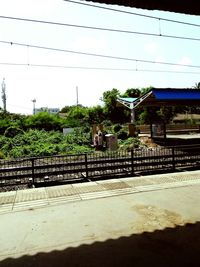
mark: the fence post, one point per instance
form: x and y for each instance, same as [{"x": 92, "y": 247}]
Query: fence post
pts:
[
  {"x": 33, "y": 170},
  {"x": 173, "y": 159},
  {"x": 132, "y": 161},
  {"x": 86, "y": 166}
]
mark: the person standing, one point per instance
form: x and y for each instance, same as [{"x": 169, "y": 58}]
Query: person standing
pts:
[
  {"x": 95, "y": 140},
  {"x": 100, "y": 139}
]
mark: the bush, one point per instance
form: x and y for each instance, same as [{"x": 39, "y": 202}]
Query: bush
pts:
[
  {"x": 122, "y": 135},
  {"x": 44, "y": 121},
  {"x": 12, "y": 131},
  {"x": 129, "y": 144},
  {"x": 107, "y": 123},
  {"x": 79, "y": 137},
  {"x": 117, "y": 128},
  {"x": 2, "y": 156},
  {"x": 35, "y": 143}
]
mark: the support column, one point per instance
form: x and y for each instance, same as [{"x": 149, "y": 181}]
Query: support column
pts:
[{"x": 132, "y": 116}]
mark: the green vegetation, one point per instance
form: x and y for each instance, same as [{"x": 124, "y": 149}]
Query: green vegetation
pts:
[
  {"x": 35, "y": 142},
  {"x": 129, "y": 143},
  {"x": 41, "y": 134}
]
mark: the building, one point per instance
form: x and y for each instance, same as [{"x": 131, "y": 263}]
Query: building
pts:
[{"x": 46, "y": 109}]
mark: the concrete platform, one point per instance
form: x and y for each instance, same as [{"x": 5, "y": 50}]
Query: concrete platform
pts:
[
  {"x": 150, "y": 220},
  {"x": 184, "y": 136}
]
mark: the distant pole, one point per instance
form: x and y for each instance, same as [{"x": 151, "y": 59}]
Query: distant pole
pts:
[
  {"x": 34, "y": 101},
  {"x": 3, "y": 93},
  {"x": 77, "y": 95}
]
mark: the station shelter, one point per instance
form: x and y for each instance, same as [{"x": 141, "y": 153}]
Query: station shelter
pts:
[{"x": 161, "y": 97}]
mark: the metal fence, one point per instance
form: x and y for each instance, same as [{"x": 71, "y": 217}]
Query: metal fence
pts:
[{"x": 58, "y": 169}]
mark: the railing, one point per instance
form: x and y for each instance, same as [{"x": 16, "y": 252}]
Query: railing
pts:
[
  {"x": 172, "y": 128},
  {"x": 57, "y": 169}
]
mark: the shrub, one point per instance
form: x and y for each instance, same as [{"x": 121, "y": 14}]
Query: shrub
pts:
[
  {"x": 107, "y": 123},
  {"x": 117, "y": 128},
  {"x": 2, "y": 156},
  {"x": 45, "y": 121},
  {"x": 129, "y": 144},
  {"x": 122, "y": 135},
  {"x": 12, "y": 131},
  {"x": 35, "y": 143}
]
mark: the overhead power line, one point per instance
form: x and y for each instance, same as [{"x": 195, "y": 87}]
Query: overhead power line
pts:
[
  {"x": 132, "y": 13},
  {"x": 99, "y": 55},
  {"x": 101, "y": 29},
  {"x": 98, "y": 68}
]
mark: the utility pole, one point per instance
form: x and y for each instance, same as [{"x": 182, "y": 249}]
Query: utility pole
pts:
[
  {"x": 34, "y": 101},
  {"x": 77, "y": 96},
  {"x": 3, "y": 94}
]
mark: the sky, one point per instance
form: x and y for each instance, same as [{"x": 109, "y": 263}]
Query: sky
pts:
[{"x": 55, "y": 87}]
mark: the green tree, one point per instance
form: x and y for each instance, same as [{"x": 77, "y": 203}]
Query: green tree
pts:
[
  {"x": 76, "y": 116},
  {"x": 197, "y": 85},
  {"x": 11, "y": 120},
  {"x": 65, "y": 109},
  {"x": 95, "y": 114},
  {"x": 111, "y": 110},
  {"x": 145, "y": 90},
  {"x": 132, "y": 92},
  {"x": 153, "y": 114},
  {"x": 44, "y": 121},
  {"x": 166, "y": 114}
]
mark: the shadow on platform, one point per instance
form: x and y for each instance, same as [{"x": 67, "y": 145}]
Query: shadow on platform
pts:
[{"x": 179, "y": 246}]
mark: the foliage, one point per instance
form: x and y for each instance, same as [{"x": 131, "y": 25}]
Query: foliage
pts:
[
  {"x": 12, "y": 131},
  {"x": 9, "y": 120},
  {"x": 154, "y": 114},
  {"x": 110, "y": 102},
  {"x": 166, "y": 113},
  {"x": 145, "y": 90},
  {"x": 143, "y": 117},
  {"x": 112, "y": 111},
  {"x": 116, "y": 128},
  {"x": 110, "y": 96},
  {"x": 4, "y": 124},
  {"x": 44, "y": 121},
  {"x": 122, "y": 134},
  {"x": 129, "y": 144},
  {"x": 95, "y": 114},
  {"x": 197, "y": 85},
  {"x": 76, "y": 116},
  {"x": 42, "y": 143},
  {"x": 132, "y": 92},
  {"x": 65, "y": 109},
  {"x": 136, "y": 92},
  {"x": 41, "y": 134},
  {"x": 78, "y": 136},
  {"x": 107, "y": 123},
  {"x": 77, "y": 112}
]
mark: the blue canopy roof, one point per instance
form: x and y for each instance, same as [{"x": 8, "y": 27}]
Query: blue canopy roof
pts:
[
  {"x": 176, "y": 94},
  {"x": 164, "y": 97}
]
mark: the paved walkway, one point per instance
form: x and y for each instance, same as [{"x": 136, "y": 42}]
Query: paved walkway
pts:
[{"x": 150, "y": 220}]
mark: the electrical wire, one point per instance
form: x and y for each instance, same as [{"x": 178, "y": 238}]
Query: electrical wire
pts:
[
  {"x": 132, "y": 13},
  {"x": 99, "y": 55},
  {"x": 96, "y": 68},
  {"x": 102, "y": 29}
]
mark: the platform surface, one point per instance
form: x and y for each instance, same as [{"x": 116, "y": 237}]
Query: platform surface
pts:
[{"x": 149, "y": 220}]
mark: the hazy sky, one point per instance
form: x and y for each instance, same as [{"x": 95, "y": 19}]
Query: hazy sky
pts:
[{"x": 56, "y": 87}]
